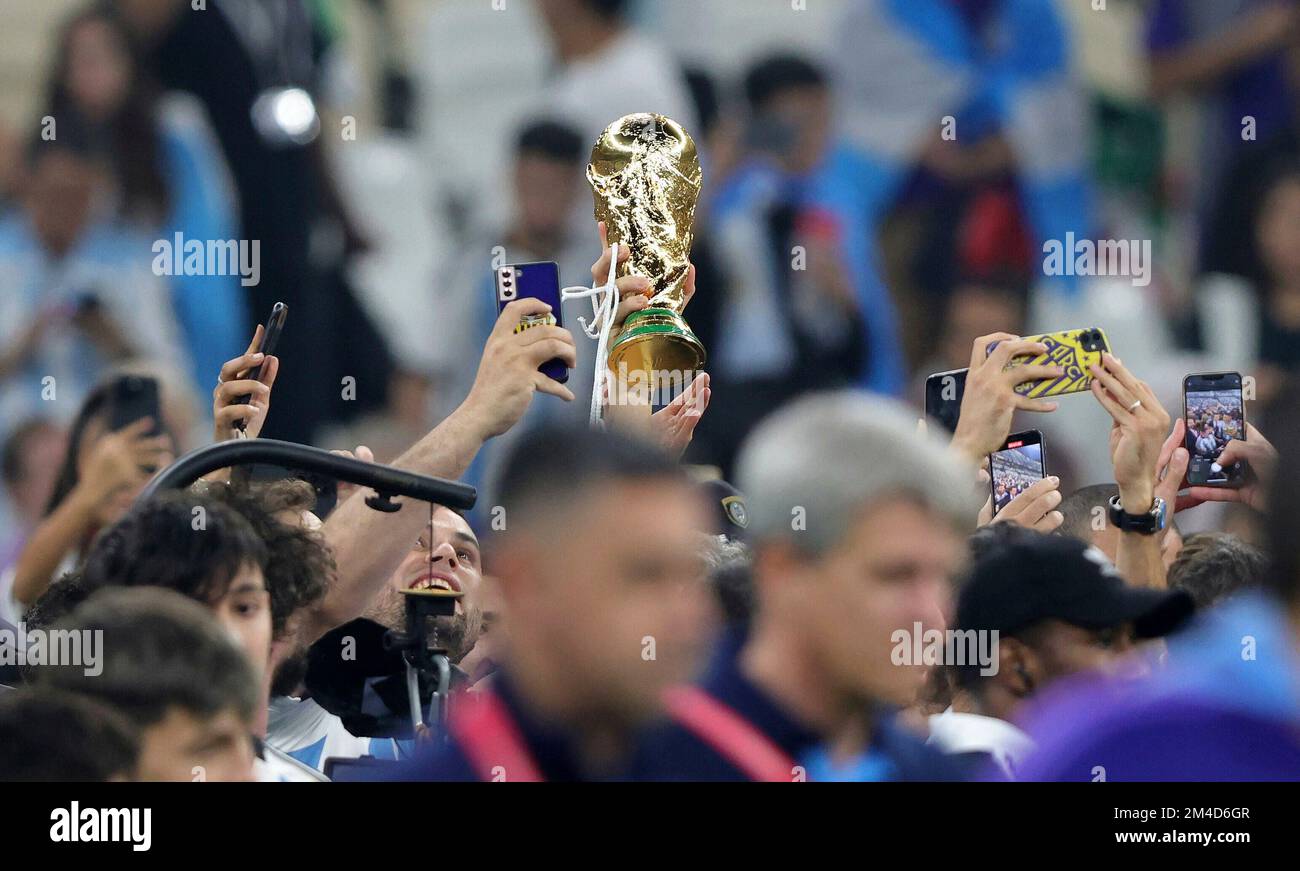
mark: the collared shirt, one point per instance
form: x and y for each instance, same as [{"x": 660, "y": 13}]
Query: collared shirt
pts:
[
  {"x": 953, "y": 732},
  {"x": 302, "y": 729},
  {"x": 672, "y": 752},
  {"x": 550, "y": 749}
]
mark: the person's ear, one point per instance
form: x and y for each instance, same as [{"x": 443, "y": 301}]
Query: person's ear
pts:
[{"x": 1017, "y": 668}]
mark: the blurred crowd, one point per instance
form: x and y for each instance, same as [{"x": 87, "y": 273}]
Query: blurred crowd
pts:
[
  {"x": 883, "y": 182},
  {"x": 880, "y": 180}
]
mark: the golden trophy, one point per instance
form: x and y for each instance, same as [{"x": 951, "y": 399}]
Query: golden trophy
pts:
[{"x": 645, "y": 176}]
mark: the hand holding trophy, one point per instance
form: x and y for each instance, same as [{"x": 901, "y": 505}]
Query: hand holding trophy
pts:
[{"x": 645, "y": 175}]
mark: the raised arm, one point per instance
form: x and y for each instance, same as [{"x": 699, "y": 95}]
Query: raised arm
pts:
[{"x": 369, "y": 545}]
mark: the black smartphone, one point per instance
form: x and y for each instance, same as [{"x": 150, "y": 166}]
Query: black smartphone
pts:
[
  {"x": 943, "y": 393},
  {"x": 539, "y": 281},
  {"x": 270, "y": 336},
  {"x": 1215, "y": 414},
  {"x": 1016, "y": 467},
  {"x": 131, "y": 398}
]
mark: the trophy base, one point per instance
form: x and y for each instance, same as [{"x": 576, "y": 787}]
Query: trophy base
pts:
[{"x": 658, "y": 342}]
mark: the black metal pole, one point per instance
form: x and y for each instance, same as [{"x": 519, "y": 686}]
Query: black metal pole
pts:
[{"x": 386, "y": 481}]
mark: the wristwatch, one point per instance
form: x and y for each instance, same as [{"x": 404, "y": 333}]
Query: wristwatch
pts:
[{"x": 1149, "y": 523}]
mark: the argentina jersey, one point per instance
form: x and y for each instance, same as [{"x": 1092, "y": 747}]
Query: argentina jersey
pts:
[{"x": 307, "y": 732}]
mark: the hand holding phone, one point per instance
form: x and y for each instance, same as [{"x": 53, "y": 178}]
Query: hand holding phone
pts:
[
  {"x": 1016, "y": 467},
  {"x": 992, "y": 396},
  {"x": 943, "y": 396},
  {"x": 251, "y": 374},
  {"x": 1074, "y": 351},
  {"x": 534, "y": 281},
  {"x": 1214, "y": 414},
  {"x": 132, "y": 398},
  {"x": 1140, "y": 426}
]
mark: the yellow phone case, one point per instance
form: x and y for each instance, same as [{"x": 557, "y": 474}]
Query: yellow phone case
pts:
[{"x": 1073, "y": 350}]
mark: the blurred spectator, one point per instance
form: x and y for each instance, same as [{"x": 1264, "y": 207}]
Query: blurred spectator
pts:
[
  {"x": 176, "y": 674},
  {"x": 170, "y": 173},
  {"x": 52, "y": 736},
  {"x": 787, "y": 317},
  {"x": 231, "y": 56},
  {"x": 974, "y": 308},
  {"x": 1215, "y": 565},
  {"x": 607, "y": 69},
  {"x": 79, "y": 292},
  {"x": 1057, "y": 608},
  {"x": 1232, "y": 55},
  {"x": 546, "y": 185},
  {"x": 29, "y": 465},
  {"x": 1230, "y": 678},
  {"x": 1276, "y": 241},
  {"x": 101, "y": 474},
  {"x": 928, "y": 83}
]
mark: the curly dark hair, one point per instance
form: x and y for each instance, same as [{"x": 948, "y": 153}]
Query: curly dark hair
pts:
[{"x": 299, "y": 566}]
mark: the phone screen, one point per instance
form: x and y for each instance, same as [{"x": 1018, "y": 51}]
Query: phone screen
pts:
[
  {"x": 1215, "y": 414},
  {"x": 1017, "y": 467},
  {"x": 536, "y": 281},
  {"x": 943, "y": 393},
  {"x": 135, "y": 397}
]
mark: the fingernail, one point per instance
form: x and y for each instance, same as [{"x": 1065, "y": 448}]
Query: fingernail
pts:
[
  {"x": 1055, "y": 480},
  {"x": 258, "y": 355}
]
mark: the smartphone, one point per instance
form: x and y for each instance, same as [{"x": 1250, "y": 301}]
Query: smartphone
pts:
[
  {"x": 1215, "y": 414},
  {"x": 1076, "y": 351},
  {"x": 270, "y": 337},
  {"x": 943, "y": 393},
  {"x": 538, "y": 281},
  {"x": 1016, "y": 467},
  {"x": 131, "y": 398}
]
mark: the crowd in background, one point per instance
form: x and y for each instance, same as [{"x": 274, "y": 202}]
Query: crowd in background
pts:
[
  {"x": 882, "y": 181},
  {"x": 879, "y": 182}
]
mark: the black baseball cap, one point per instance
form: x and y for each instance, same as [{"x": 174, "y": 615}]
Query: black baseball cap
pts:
[{"x": 1020, "y": 577}]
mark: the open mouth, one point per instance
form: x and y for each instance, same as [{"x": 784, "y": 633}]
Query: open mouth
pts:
[{"x": 435, "y": 581}]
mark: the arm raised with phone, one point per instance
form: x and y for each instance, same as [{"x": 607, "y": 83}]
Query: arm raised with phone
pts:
[
  {"x": 369, "y": 545},
  {"x": 1138, "y": 432},
  {"x": 991, "y": 400}
]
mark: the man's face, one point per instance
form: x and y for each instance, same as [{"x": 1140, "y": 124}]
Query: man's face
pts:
[
  {"x": 544, "y": 195},
  {"x": 61, "y": 192},
  {"x": 614, "y": 589},
  {"x": 245, "y": 612},
  {"x": 99, "y": 69},
  {"x": 445, "y": 556},
  {"x": 1061, "y": 649},
  {"x": 183, "y": 747},
  {"x": 801, "y": 115},
  {"x": 892, "y": 570}
]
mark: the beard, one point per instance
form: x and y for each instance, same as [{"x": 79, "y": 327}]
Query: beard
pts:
[
  {"x": 289, "y": 674},
  {"x": 456, "y": 634}
]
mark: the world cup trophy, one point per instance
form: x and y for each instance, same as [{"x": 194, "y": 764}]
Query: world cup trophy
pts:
[{"x": 645, "y": 175}]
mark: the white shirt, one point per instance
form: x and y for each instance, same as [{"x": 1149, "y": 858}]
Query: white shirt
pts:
[
  {"x": 303, "y": 730},
  {"x": 953, "y": 732},
  {"x": 633, "y": 73}
]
